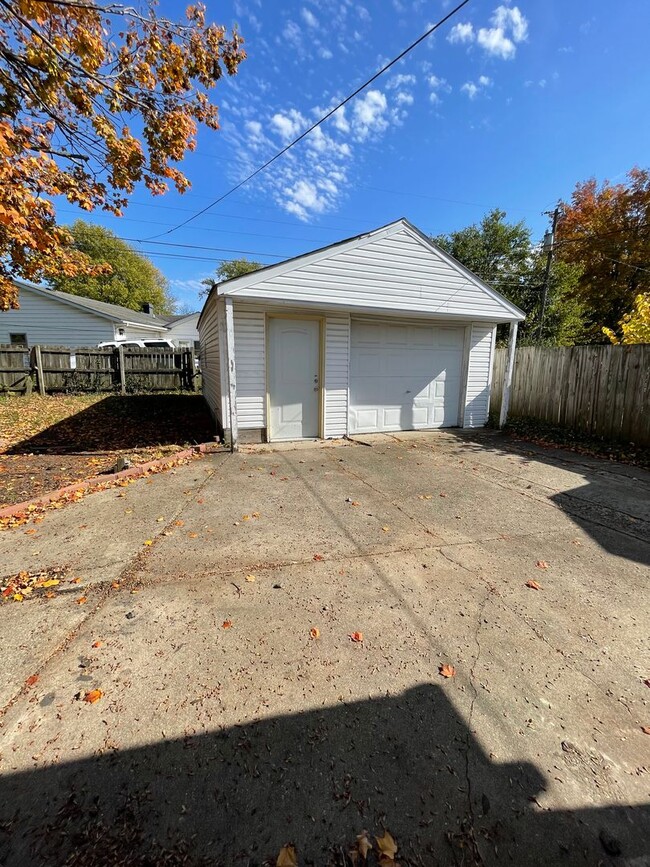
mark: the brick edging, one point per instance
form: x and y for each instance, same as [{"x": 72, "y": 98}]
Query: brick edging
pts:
[{"x": 107, "y": 479}]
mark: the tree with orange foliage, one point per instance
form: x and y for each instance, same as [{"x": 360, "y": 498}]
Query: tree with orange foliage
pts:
[
  {"x": 606, "y": 231},
  {"x": 94, "y": 99}
]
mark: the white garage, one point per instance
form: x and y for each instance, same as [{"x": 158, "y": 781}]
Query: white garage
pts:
[
  {"x": 381, "y": 332},
  {"x": 404, "y": 377}
]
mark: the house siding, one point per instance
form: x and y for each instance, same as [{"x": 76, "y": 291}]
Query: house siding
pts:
[
  {"x": 397, "y": 272},
  {"x": 49, "y": 322},
  {"x": 479, "y": 371},
  {"x": 184, "y": 331},
  {"x": 250, "y": 363},
  {"x": 211, "y": 360},
  {"x": 337, "y": 375}
]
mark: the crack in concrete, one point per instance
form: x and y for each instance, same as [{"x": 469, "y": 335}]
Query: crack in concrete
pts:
[{"x": 129, "y": 575}]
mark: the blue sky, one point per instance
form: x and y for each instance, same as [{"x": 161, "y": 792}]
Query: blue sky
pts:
[{"x": 508, "y": 106}]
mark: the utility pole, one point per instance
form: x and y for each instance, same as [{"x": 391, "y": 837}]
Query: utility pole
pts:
[{"x": 547, "y": 246}]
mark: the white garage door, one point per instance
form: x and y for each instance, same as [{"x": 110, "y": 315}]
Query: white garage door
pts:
[{"x": 404, "y": 377}]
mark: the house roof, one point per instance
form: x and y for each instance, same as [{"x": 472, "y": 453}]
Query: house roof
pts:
[
  {"x": 237, "y": 286},
  {"x": 100, "y": 308}
]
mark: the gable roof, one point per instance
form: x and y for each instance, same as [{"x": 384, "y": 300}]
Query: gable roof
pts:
[
  {"x": 395, "y": 268},
  {"x": 115, "y": 312}
]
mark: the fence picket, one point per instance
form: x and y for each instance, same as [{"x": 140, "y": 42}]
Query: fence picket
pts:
[{"x": 599, "y": 390}]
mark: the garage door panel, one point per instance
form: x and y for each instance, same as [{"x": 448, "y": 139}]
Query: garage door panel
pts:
[{"x": 404, "y": 377}]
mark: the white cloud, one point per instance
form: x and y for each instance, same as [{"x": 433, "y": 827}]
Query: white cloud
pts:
[
  {"x": 292, "y": 33},
  {"x": 363, "y": 13},
  {"x": 340, "y": 120},
  {"x": 461, "y": 33},
  {"x": 400, "y": 81},
  {"x": 290, "y": 124},
  {"x": 325, "y": 53},
  {"x": 472, "y": 89},
  {"x": 437, "y": 86},
  {"x": 403, "y": 98},
  {"x": 509, "y": 27},
  {"x": 369, "y": 113},
  {"x": 308, "y": 17}
]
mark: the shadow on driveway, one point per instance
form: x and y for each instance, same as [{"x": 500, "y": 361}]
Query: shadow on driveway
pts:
[{"x": 235, "y": 796}]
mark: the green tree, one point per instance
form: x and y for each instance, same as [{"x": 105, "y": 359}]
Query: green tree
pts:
[
  {"x": 133, "y": 280},
  {"x": 606, "y": 231},
  {"x": 228, "y": 270},
  {"x": 503, "y": 255}
]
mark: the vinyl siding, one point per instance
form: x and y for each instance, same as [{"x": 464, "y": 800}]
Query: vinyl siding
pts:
[
  {"x": 46, "y": 321},
  {"x": 184, "y": 330},
  {"x": 250, "y": 365},
  {"x": 479, "y": 367},
  {"x": 132, "y": 332},
  {"x": 337, "y": 368},
  {"x": 396, "y": 271},
  {"x": 210, "y": 360}
]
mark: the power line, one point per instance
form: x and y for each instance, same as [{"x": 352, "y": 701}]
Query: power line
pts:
[{"x": 321, "y": 120}]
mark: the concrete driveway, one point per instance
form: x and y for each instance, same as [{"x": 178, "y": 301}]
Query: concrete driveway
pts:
[{"x": 225, "y": 730}]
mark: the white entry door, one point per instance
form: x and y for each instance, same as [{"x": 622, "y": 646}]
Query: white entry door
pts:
[
  {"x": 404, "y": 377},
  {"x": 294, "y": 382}
]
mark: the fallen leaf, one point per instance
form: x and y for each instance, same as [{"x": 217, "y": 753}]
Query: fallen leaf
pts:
[
  {"x": 385, "y": 529},
  {"x": 647, "y": 681},
  {"x": 97, "y": 644},
  {"x": 93, "y": 696},
  {"x": 357, "y": 637},
  {"x": 31, "y": 680},
  {"x": 314, "y": 632},
  {"x": 81, "y": 600},
  {"x": 645, "y": 730},
  {"x": 542, "y": 564},
  {"x": 363, "y": 844},
  {"x": 318, "y": 557},
  {"x": 115, "y": 585},
  {"x": 533, "y": 585},
  {"x": 442, "y": 494},
  {"x": 256, "y": 514},
  {"x": 50, "y": 595},
  {"x": 387, "y": 846},
  {"x": 148, "y": 542},
  {"x": 179, "y": 523},
  {"x": 227, "y": 624},
  {"x": 287, "y": 857},
  {"x": 355, "y": 503},
  {"x": 73, "y": 581},
  {"x": 30, "y": 532},
  {"x": 160, "y": 520},
  {"x": 447, "y": 670},
  {"x": 193, "y": 535},
  {"x": 18, "y": 597},
  {"x": 51, "y": 582},
  {"x": 250, "y": 578}
]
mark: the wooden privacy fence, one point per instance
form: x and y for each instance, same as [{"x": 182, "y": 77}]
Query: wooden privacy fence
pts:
[
  {"x": 599, "y": 390},
  {"x": 59, "y": 368}
]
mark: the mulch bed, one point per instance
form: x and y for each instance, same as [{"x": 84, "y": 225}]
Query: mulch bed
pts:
[{"x": 50, "y": 442}]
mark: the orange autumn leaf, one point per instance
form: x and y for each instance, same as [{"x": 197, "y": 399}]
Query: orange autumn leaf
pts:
[
  {"x": 318, "y": 557},
  {"x": 356, "y": 637},
  {"x": 193, "y": 535},
  {"x": 287, "y": 857},
  {"x": 542, "y": 564},
  {"x": 227, "y": 624},
  {"x": 645, "y": 730},
  {"x": 81, "y": 600},
  {"x": 115, "y": 585},
  {"x": 93, "y": 696},
  {"x": 387, "y": 846},
  {"x": 50, "y": 594},
  {"x": 314, "y": 632},
  {"x": 533, "y": 584},
  {"x": 31, "y": 680},
  {"x": 447, "y": 670},
  {"x": 96, "y": 644}
]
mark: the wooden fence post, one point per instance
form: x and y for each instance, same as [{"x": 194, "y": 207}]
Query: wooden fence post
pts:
[
  {"x": 39, "y": 370},
  {"x": 120, "y": 361},
  {"x": 192, "y": 363}
]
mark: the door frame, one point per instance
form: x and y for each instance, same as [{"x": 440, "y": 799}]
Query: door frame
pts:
[{"x": 321, "y": 366}]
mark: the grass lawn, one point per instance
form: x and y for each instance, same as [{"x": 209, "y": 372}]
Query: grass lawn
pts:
[{"x": 48, "y": 442}]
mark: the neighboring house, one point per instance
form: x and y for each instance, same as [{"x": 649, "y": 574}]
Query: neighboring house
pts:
[
  {"x": 381, "y": 332},
  {"x": 56, "y": 318},
  {"x": 183, "y": 329}
]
